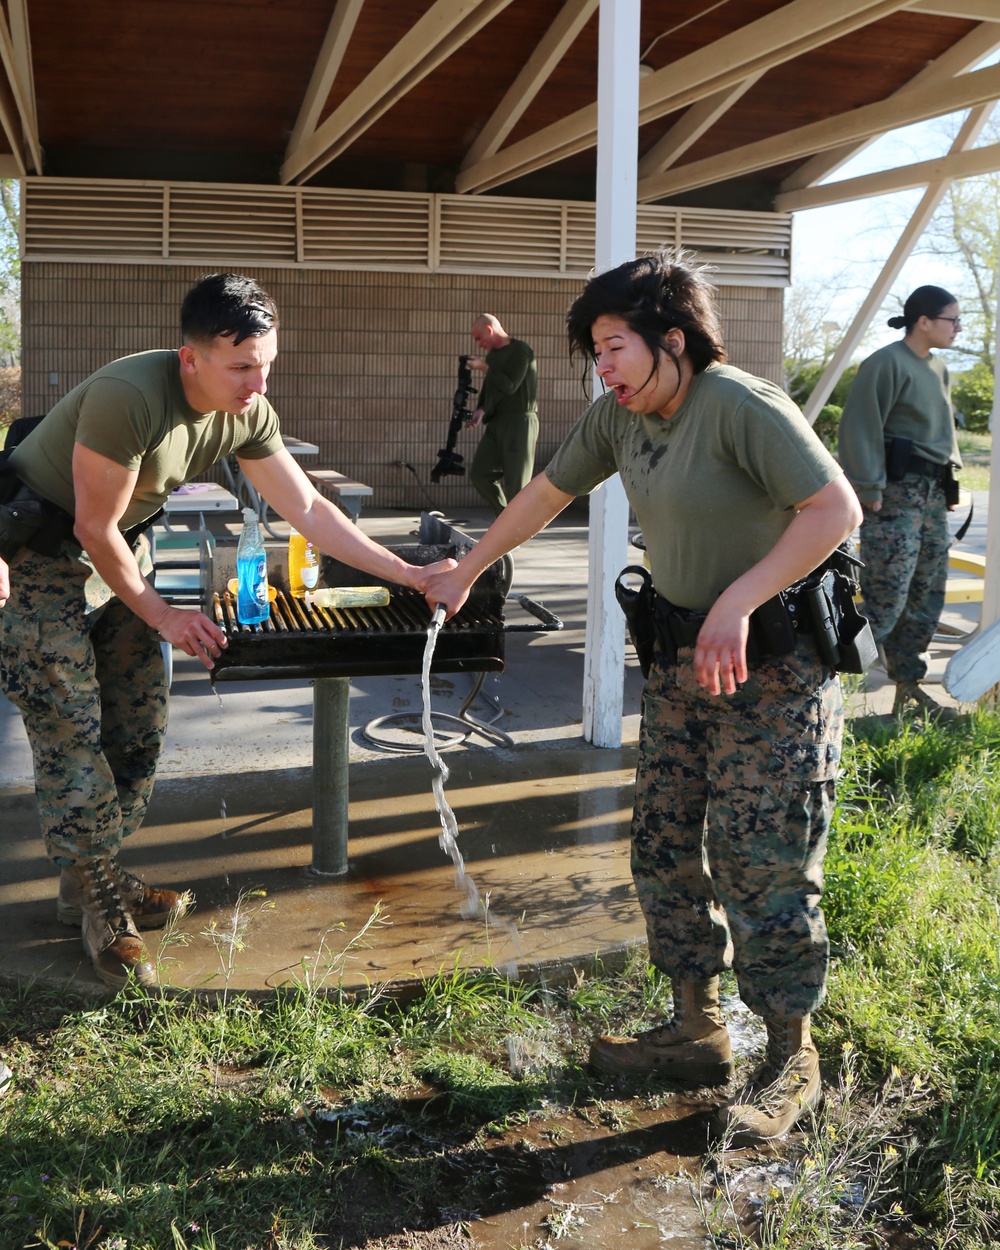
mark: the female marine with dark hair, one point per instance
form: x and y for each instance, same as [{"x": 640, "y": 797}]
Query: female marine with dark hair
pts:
[
  {"x": 737, "y": 499},
  {"x": 898, "y": 447}
]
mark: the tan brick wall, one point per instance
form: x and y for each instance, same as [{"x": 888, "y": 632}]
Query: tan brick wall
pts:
[{"x": 367, "y": 361}]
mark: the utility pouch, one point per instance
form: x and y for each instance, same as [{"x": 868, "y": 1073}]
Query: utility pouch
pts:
[
  {"x": 637, "y": 604},
  {"x": 819, "y": 599},
  {"x": 897, "y": 458},
  {"x": 772, "y": 629},
  {"x": 843, "y": 636},
  {"x": 950, "y": 483},
  {"x": 21, "y": 518}
]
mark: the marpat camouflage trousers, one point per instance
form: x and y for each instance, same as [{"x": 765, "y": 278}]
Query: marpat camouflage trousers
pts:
[
  {"x": 905, "y": 551},
  {"x": 734, "y": 795},
  {"x": 88, "y": 677}
]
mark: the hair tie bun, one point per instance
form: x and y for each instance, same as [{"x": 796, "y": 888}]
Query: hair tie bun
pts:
[{"x": 896, "y": 322}]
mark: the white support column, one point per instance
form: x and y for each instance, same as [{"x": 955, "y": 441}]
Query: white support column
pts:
[
  {"x": 991, "y": 575},
  {"x": 617, "y": 159}
]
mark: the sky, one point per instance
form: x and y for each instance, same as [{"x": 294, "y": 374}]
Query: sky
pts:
[{"x": 844, "y": 246}]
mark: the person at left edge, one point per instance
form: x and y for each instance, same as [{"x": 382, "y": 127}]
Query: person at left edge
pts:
[{"x": 78, "y": 652}]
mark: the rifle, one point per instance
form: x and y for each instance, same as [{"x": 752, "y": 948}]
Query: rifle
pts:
[{"x": 450, "y": 463}]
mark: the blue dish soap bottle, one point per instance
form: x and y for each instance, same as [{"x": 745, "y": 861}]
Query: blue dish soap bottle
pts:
[{"x": 252, "y": 605}]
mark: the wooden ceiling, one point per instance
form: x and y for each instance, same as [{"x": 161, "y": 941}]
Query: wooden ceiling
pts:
[{"x": 413, "y": 94}]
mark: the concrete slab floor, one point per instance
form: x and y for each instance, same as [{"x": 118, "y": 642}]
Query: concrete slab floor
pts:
[{"x": 543, "y": 823}]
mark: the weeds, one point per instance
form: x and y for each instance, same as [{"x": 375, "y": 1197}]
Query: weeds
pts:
[
  {"x": 155, "y": 1121},
  {"x": 836, "y": 1188}
]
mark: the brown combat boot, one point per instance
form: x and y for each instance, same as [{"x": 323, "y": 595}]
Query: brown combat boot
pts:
[
  {"x": 913, "y": 700},
  {"x": 693, "y": 1047},
  {"x": 781, "y": 1091},
  {"x": 109, "y": 934},
  {"x": 149, "y": 907}
]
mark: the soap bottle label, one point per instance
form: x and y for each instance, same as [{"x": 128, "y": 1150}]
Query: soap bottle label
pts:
[{"x": 310, "y": 567}]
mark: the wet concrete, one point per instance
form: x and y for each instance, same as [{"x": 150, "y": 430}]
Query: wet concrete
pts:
[
  {"x": 543, "y": 822},
  {"x": 545, "y": 841}
]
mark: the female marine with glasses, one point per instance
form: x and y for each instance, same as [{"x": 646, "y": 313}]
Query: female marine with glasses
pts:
[{"x": 898, "y": 447}]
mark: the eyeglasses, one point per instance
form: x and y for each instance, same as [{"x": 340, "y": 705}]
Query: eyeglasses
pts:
[{"x": 955, "y": 321}]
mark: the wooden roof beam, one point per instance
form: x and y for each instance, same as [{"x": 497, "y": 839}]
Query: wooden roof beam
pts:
[
  {"x": 331, "y": 54},
  {"x": 552, "y": 47},
  {"x": 685, "y": 133},
  {"x": 780, "y": 36},
  {"x": 977, "y": 45},
  {"x": 16, "y": 57},
  {"x": 984, "y": 160},
  {"x": 968, "y": 134},
  {"x": 966, "y": 10},
  {"x": 442, "y": 30},
  {"x": 966, "y": 91}
]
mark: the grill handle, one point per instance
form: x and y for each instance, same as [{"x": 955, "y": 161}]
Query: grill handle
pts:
[{"x": 549, "y": 621}]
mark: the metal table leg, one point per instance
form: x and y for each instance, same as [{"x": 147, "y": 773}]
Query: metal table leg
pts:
[{"x": 331, "y": 755}]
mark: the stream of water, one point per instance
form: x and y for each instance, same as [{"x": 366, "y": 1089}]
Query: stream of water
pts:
[{"x": 472, "y": 905}]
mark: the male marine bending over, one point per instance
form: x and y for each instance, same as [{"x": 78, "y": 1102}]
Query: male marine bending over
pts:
[
  {"x": 505, "y": 458},
  {"x": 79, "y": 653}
]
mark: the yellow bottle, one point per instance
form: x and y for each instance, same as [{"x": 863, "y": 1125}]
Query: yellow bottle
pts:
[
  {"x": 347, "y": 597},
  {"x": 303, "y": 564}
]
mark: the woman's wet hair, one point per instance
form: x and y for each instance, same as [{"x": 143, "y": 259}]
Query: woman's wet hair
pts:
[
  {"x": 651, "y": 294},
  {"x": 227, "y": 305},
  {"x": 925, "y": 301}
]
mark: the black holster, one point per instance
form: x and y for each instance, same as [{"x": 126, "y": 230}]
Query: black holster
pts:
[
  {"x": 637, "y": 604},
  {"x": 951, "y": 488},
  {"x": 26, "y": 519}
]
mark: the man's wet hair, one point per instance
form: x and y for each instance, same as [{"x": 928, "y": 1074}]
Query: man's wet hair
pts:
[
  {"x": 652, "y": 294},
  {"x": 227, "y": 305}
]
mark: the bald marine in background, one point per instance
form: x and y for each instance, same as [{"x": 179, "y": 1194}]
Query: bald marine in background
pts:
[{"x": 508, "y": 407}]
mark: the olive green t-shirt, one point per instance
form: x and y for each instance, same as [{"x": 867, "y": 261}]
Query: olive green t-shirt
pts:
[
  {"x": 897, "y": 394},
  {"x": 510, "y": 388},
  {"x": 713, "y": 487},
  {"x": 134, "y": 412}
]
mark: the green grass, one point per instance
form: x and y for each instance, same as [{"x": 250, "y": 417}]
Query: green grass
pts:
[
  {"x": 975, "y": 450},
  {"x": 151, "y": 1122}
]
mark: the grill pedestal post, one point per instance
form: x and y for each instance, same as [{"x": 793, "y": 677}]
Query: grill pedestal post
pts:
[{"x": 331, "y": 756}]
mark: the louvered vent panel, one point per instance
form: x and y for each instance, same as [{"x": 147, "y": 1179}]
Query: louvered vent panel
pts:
[
  {"x": 356, "y": 228},
  {"x": 743, "y": 248},
  {"x": 313, "y": 227},
  {"x": 580, "y": 228},
  {"x": 69, "y": 218},
  {"x": 656, "y": 228},
  {"x": 484, "y": 235},
  {"x": 222, "y": 221}
]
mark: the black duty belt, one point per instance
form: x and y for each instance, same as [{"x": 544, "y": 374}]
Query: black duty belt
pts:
[
  {"x": 685, "y": 625},
  {"x": 926, "y": 468}
]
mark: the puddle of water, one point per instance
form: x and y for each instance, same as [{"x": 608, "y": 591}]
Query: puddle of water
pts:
[{"x": 632, "y": 1190}]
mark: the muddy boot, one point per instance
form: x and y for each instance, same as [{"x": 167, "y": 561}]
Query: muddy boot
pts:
[
  {"x": 692, "y": 1047},
  {"x": 912, "y": 699},
  {"x": 110, "y": 937},
  {"x": 782, "y": 1090},
  {"x": 149, "y": 907}
]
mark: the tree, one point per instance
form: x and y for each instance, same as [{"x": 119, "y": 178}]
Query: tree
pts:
[
  {"x": 965, "y": 231},
  {"x": 10, "y": 271},
  {"x": 811, "y": 336}
]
